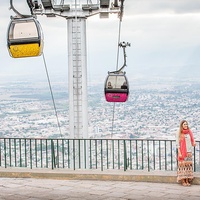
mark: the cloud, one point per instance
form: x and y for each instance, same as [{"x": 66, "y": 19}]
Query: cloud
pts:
[
  {"x": 135, "y": 7},
  {"x": 162, "y": 33}
]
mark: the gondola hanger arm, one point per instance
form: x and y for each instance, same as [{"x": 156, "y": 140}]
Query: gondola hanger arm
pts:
[
  {"x": 30, "y": 4},
  {"x": 123, "y": 45},
  {"x": 121, "y": 10}
]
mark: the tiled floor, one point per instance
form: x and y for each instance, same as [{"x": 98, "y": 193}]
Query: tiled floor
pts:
[{"x": 49, "y": 189}]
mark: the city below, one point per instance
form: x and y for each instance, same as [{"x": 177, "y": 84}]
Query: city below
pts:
[{"x": 153, "y": 111}]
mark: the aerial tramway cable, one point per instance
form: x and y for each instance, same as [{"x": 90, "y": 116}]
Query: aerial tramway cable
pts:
[
  {"x": 28, "y": 18},
  {"x": 51, "y": 91},
  {"x": 113, "y": 111},
  {"x": 117, "y": 62}
]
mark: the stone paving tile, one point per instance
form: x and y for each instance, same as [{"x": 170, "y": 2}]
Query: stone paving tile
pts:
[{"x": 47, "y": 189}]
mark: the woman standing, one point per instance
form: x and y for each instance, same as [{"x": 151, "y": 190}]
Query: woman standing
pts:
[{"x": 185, "y": 141}]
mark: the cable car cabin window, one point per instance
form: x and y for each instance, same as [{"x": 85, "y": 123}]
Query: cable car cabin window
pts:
[
  {"x": 23, "y": 30},
  {"x": 116, "y": 82},
  {"x": 25, "y": 38}
]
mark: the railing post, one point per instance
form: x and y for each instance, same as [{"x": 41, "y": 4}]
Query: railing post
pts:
[
  {"x": 74, "y": 157},
  {"x": 68, "y": 153},
  {"x": 130, "y": 157},
  {"x": 90, "y": 153},
  {"x": 10, "y": 151},
  {"x": 79, "y": 153},
  {"x": 107, "y": 155},
  {"x": 125, "y": 156},
  {"x": 5, "y": 152},
  {"x": 15, "y": 148},
  {"x": 142, "y": 155},
  {"x": 52, "y": 154},
  {"x": 136, "y": 151},
  {"x": 47, "y": 162},
  {"x": 63, "y": 153},
  {"x": 148, "y": 159},
  {"x": 165, "y": 155},
  {"x": 101, "y": 155},
  {"x": 113, "y": 154},
  {"x": 0, "y": 152},
  {"x": 57, "y": 160},
  {"x": 31, "y": 154},
  {"x": 41, "y": 154},
  {"x": 154, "y": 159},
  {"x": 118, "y": 145},
  {"x": 159, "y": 156},
  {"x": 86, "y": 153},
  {"x": 20, "y": 153},
  {"x": 36, "y": 152},
  {"x": 171, "y": 155},
  {"x": 194, "y": 159},
  {"x": 25, "y": 152}
]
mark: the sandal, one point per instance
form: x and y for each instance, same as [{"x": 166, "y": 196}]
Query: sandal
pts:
[
  {"x": 188, "y": 184},
  {"x": 184, "y": 183}
]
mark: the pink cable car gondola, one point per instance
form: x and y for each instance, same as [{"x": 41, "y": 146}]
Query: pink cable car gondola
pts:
[{"x": 116, "y": 86}]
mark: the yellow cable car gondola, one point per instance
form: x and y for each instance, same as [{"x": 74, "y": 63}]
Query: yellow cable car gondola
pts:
[{"x": 24, "y": 38}]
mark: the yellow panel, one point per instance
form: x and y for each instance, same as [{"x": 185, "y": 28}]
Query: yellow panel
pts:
[{"x": 25, "y": 50}]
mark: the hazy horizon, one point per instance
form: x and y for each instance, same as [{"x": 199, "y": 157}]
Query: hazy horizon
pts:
[{"x": 164, "y": 37}]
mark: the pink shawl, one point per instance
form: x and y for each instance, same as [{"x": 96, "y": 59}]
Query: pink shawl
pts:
[{"x": 183, "y": 143}]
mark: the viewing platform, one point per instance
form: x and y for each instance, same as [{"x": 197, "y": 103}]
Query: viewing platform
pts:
[
  {"x": 62, "y": 184},
  {"x": 60, "y": 169}
]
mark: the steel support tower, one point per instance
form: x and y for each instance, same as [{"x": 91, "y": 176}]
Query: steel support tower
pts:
[{"x": 76, "y": 12}]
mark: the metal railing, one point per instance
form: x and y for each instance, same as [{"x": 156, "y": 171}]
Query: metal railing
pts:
[{"x": 126, "y": 154}]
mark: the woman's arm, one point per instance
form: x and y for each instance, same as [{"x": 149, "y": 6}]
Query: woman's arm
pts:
[
  {"x": 192, "y": 139},
  {"x": 179, "y": 153}
]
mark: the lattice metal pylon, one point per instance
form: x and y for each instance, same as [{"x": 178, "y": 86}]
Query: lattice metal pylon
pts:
[
  {"x": 77, "y": 77},
  {"x": 76, "y": 12}
]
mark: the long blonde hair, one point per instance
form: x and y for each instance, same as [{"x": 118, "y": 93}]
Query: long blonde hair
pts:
[{"x": 181, "y": 127}]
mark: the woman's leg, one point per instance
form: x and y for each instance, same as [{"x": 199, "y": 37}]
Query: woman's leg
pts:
[
  {"x": 183, "y": 181},
  {"x": 187, "y": 182}
]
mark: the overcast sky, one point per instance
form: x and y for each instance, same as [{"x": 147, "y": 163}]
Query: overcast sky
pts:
[{"x": 164, "y": 36}]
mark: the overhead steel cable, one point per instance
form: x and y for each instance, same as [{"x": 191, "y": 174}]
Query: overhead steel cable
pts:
[
  {"x": 54, "y": 105},
  {"x": 117, "y": 63},
  {"x": 31, "y": 6}
]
